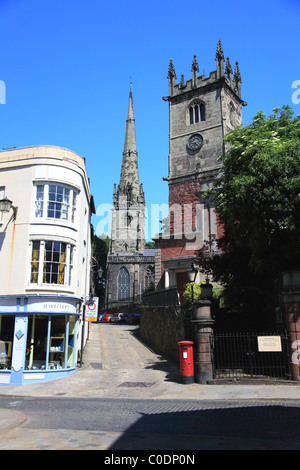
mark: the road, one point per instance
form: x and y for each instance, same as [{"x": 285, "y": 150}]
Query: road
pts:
[
  {"x": 127, "y": 398},
  {"x": 126, "y": 424}
]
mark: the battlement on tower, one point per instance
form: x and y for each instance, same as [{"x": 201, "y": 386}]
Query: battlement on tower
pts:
[{"x": 222, "y": 73}]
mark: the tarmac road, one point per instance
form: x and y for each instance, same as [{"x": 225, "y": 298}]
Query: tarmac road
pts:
[{"x": 126, "y": 397}]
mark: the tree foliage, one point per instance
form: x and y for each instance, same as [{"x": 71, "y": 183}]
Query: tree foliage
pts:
[
  {"x": 100, "y": 248},
  {"x": 258, "y": 200}
]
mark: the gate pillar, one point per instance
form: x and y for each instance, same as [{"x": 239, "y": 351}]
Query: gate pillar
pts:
[
  {"x": 292, "y": 316},
  {"x": 291, "y": 308},
  {"x": 203, "y": 338}
]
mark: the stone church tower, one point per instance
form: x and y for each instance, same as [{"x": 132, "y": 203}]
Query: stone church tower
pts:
[
  {"x": 130, "y": 268},
  {"x": 202, "y": 110}
]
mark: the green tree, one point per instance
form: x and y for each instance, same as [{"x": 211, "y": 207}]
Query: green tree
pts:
[
  {"x": 258, "y": 200},
  {"x": 100, "y": 247}
]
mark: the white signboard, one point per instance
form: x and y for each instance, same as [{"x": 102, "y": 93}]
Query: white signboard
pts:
[
  {"x": 91, "y": 309},
  {"x": 51, "y": 306},
  {"x": 269, "y": 343}
]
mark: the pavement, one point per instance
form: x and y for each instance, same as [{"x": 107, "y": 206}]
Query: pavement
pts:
[
  {"x": 120, "y": 365},
  {"x": 116, "y": 364}
]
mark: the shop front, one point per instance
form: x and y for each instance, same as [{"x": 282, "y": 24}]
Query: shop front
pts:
[{"x": 38, "y": 338}]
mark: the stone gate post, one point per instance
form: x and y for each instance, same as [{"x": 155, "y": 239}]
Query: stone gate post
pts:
[
  {"x": 291, "y": 308},
  {"x": 203, "y": 338}
]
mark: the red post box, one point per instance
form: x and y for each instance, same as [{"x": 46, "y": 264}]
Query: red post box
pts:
[{"x": 186, "y": 361}]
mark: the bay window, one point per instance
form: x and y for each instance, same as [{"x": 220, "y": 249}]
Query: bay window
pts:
[
  {"x": 51, "y": 263},
  {"x": 55, "y": 201}
]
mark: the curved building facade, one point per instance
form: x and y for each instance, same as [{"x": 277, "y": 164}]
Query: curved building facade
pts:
[{"x": 45, "y": 259}]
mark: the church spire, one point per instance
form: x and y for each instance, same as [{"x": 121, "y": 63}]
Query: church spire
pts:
[
  {"x": 130, "y": 142},
  {"x": 129, "y": 180}
]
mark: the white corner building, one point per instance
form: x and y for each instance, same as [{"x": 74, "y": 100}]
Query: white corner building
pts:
[{"x": 45, "y": 262}]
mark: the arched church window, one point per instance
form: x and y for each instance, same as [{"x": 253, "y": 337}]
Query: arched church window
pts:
[
  {"x": 123, "y": 284},
  {"x": 197, "y": 112},
  {"x": 149, "y": 276}
]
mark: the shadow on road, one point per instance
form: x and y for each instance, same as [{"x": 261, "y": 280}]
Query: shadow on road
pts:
[
  {"x": 252, "y": 428},
  {"x": 163, "y": 364}
]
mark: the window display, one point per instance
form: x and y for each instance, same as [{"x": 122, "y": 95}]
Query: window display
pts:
[
  {"x": 36, "y": 342},
  {"x": 47, "y": 347}
]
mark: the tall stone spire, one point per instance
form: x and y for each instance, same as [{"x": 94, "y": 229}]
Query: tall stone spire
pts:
[
  {"x": 128, "y": 214},
  {"x": 129, "y": 170}
]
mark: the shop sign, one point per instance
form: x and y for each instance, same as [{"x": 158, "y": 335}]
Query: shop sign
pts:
[
  {"x": 91, "y": 311},
  {"x": 51, "y": 306},
  {"x": 269, "y": 344}
]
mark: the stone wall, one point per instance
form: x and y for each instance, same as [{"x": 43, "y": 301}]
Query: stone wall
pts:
[{"x": 161, "y": 329}]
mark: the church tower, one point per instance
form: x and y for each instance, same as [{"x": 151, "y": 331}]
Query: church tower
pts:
[
  {"x": 128, "y": 216},
  {"x": 201, "y": 111},
  {"x": 130, "y": 268}
]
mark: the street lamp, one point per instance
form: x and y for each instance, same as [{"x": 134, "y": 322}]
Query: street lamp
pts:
[
  {"x": 192, "y": 273},
  {"x": 206, "y": 290},
  {"x": 100, "y": 272},
  {"x": 6, "y": 205}
]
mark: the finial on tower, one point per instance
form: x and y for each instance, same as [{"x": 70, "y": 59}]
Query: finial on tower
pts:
[
  {"x": 228, "y": 71},
  {"x": 237, "y": 80},
  {"x": 172, "y": 77},
  {"x": 220, "y": 60},
  {"x": 195, "y": 70}
]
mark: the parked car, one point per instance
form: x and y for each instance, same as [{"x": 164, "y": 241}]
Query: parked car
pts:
[
  {"x": 132, "y": 318},
  {"x": 117, "y": 318},
  {"x": 106, "y": 318}
]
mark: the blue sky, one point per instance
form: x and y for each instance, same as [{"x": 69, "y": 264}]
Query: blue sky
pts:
[{"x": 66, "y": 65}]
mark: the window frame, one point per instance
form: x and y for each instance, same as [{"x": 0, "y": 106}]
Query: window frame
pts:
[
  {"x": 42, "y": 202},
  {"x": 196, "y": 112},
  {"x": 123, "y": 288},
  {"x": 50, "y": 269}
]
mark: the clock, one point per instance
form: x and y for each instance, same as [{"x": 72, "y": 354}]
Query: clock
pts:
[{"x": 195, "y": 142}]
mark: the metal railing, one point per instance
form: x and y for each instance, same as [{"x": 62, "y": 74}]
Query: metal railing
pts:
[{"x": 240, "y": 356}]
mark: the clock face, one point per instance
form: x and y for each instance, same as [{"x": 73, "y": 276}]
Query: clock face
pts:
[{"x": 195, "y": 142}]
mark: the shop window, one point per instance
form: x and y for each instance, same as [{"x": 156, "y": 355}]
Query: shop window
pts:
[
  {"x": 50, "y": 342},
  {"x": 36, "y": 347},
  {"x": 71, "y": 356},
  {"x": 62, "y": 342},
  {"x": 55, "y": 201},
  {"x": 57, "y": 343},
  {"x": 7, "y": 323}
]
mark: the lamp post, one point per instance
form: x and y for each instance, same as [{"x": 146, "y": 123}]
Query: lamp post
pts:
[
  {"x": 192, "y": 273},
  {"x": 100, "y": 272},
  {"x": 6, "y": 205}
]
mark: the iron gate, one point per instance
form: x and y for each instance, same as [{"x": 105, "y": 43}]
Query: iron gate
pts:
[{"x": 251, "y": 355}]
